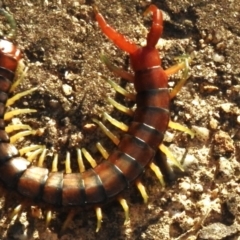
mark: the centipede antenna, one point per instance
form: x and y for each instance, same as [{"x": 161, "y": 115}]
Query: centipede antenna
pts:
[
  {"x": 114, "y": 138},
  {"x": 9, "y": 115},
  {"x": 89, "y": 158},
  {"x": 115, "y": 122},
  {"x": 121, "y": 90},
  {"x": 180, "y": 127},
  {"x": 42, "y": 157},
  {"x": 68, "y": 168},
  {"x": 98, "y": 211},
  {"x": 48, "y": 217},
  {"x": 11, "y": 22},
  {"x": 16, "y": 127},
  {"x": 119, "y": 72},
  {"x": 80, "y": 161},
  {"x": 168, "y": 153},
  {"x": 69, "y": 218},
  {"x": 17, "y": 96},
  {"x": 125, "y": 207},
  {"x": 102, "y": 150},
  {"x": 120, "y": 107},
  {"x": 158, "y": 173},
  {"x": 142, "y": 190},
  {"x": 20, "y": 135},
  {"x": 55, "y": 163},
  {"x": 25, "y": 150}
]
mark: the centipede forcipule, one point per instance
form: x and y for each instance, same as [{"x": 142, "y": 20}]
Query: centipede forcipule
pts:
[{"x": 135, "y": 149}]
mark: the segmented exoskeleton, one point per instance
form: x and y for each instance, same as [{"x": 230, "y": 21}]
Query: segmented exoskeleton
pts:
[{"x": 135, "y": 150}]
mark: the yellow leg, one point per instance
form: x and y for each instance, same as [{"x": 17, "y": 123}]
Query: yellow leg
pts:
[
  {"x": 117, "y": 71},
  {"x": 16, "y": 127},
  {"x": 17, "y": 210},
  {"x": 19, "y": 76},
  {"x": 121, "y": 107},
  {"x": 113, "y": 137},
  {"x": 142, "y": 190},
  {"x": 80, "y": 161},
  {"x": 158, "y": 173},
  {"x": 125, "y": 207},
  {"x": 180, "y": 127},
  {"x": 174, "y": 69},
  {"x": 68, "y": 168},
  {"x": 22, "y": 134},
  {"x": 115, "y": 122},
  {"x": 42, "y": 157},
  {"x": 99, "y": 218},
  {"x": 11, "y": 114},
  {"x": 17, "y": 96},
  {"x": 30, "y": 148},
  {"x": 102, "y": 150},
  {"x": 48, "y": 217},
  {"x": 121, "y": 90},
  {"x": 33, "y": 155},
  {"x": 168, "y": 153},
  {"x": 55, "y": 163},
  {"x": 89, "y": 158}
]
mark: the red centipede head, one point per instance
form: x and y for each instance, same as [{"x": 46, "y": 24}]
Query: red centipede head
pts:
[{"x": 144, "y": 58}]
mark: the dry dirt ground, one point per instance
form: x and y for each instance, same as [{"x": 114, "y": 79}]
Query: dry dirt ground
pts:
[{"x": 61, "y": 43}]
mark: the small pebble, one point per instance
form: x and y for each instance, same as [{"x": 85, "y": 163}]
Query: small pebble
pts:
[
  {"x": 202, "y": 133},
  {"x": 238, "y": 119},
  {"x": 213, "y": 123},
  {"x": 226, "y": 107},
  {"x": 218, "y": 58},
  {"x": 67, "y": 89}
]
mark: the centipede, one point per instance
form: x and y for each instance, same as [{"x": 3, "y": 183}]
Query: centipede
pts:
[{"x": 134, "y": 152}]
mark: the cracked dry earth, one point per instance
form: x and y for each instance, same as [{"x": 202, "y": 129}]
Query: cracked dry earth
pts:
[{"x": 61, "y": 43}]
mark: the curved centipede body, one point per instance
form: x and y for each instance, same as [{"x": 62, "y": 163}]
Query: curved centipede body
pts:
[{"x": 135, "y": 150}]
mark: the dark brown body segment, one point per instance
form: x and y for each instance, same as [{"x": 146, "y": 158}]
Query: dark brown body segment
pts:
[
  {"x": 127, "y": 164},
  {"x": 73, "y": 192},
  {"x": 12, "y": 170},
  {"x": 7, "y": 152},
  {"x": 111, "y": 176},
  {"x": 95, "y": 193},
  {"x": 53, "y": 188},
  {"x": 150, "y": 79},
  {"x": 32, "y": 181}
]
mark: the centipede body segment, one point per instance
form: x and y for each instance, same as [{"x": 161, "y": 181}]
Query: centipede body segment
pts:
[{"x": 135, "y": 149}]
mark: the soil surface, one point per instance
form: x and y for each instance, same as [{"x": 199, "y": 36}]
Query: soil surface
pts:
[{"x": 62, "y": 44}]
